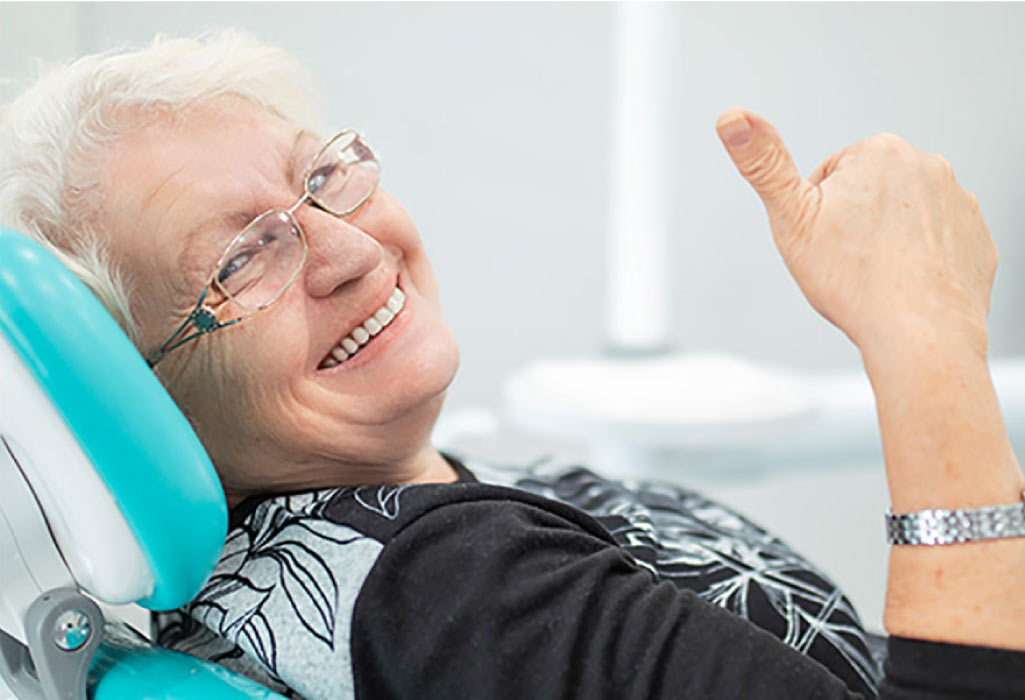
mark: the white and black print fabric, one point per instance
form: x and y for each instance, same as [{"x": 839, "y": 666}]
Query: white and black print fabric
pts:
[
  {"x": 287, "y": 580},
  {"x": 385, "y": 591}
]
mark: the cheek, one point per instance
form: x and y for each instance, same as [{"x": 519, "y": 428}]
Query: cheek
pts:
[
  {"x": 423, "y": 277},
  {"x": 416, "y": 268},
  {"x": 237, "y": 382},
  {"x": 266, "y": 355},
  {"x": 389, "y": 223}
]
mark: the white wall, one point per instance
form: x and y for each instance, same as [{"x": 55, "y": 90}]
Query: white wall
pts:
[
  {"x": 34, "y": 32},
  {"x": 493, "y": 124}
]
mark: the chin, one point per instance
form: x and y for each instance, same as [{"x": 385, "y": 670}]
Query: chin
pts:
[{"x": 421, "y": 388}]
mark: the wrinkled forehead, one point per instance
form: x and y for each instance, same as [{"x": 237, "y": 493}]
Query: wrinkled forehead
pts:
[{"x": 178, "y": 188}]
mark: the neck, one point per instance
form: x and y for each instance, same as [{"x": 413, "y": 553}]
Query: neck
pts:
[
  {"x": 435, "y": 469},
  {"x": 424, "y": 467}
]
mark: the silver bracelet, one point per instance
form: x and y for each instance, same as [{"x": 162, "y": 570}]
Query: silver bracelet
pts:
[{"x": 941, "y": 526}]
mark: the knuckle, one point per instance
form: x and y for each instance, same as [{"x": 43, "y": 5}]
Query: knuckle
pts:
[
  {"x": 888, "y": 141},
  {"x": 888, "y": 147},
  {"x": 990, "y": 256},
  {"x": 761, "y": 170},
  {"x": 940, "y": 165}
]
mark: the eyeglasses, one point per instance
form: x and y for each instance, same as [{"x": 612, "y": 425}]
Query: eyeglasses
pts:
[{"x": 267, "y": 255}]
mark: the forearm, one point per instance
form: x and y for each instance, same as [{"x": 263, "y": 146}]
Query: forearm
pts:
[{"x": 946, "y": 446}]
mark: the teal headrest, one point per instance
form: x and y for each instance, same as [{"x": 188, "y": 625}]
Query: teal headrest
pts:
[{"x": 140, "y": 444}]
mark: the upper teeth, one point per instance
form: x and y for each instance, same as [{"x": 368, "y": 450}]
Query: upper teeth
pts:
[{"x": 361, "y": 334}]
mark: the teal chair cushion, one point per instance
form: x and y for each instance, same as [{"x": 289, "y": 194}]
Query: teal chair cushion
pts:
[
  {"x": 128, "y": 668},
  {"x": 139, "y": 442}
]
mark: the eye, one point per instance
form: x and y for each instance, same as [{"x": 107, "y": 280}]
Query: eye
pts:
[
  {"x": 241, "y": 257},
  {"x": 233, "y": 265},
  {"x": 321, "y": 175}
]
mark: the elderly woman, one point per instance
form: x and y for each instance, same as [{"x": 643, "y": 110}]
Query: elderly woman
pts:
[{"x": 286, "y": 302}]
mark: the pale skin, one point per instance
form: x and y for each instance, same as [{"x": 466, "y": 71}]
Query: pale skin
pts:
[
  {"x": 886, "y": 245},
  {"x": 881, "y": 239}
]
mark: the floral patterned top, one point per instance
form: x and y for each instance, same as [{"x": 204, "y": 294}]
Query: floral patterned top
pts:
[{"x": 541, "y": 582}]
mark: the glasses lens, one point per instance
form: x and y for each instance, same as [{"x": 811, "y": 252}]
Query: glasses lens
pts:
[
  {"x": 262, "y": 261},
  {"x": 344, "y": 175}
]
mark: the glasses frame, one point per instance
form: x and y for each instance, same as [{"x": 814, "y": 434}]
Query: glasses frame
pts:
[{"x": 202, "y": 318}]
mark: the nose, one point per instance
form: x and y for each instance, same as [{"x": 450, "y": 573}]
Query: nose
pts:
[{"x": 338, "y": 251}]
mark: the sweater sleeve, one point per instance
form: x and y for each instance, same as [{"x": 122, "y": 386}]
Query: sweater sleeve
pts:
[
  {"x": 510, "y": 600},
  {"x": 920, "y": 670}
]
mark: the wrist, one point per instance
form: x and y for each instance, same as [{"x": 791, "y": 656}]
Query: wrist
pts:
[
  {"x": 959, "y": 594},
  {"x": 944, "y": 438},
  {"x": 921, "y": 347}
]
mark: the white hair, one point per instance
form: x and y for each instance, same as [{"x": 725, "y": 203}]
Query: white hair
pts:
[{"x": 53, "y": 137}]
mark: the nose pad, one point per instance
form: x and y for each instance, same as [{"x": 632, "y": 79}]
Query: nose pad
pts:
[{"x": 337, "y": 252}]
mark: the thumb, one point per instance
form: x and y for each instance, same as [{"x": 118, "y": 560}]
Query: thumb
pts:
[{"x": 761, "y": 157}]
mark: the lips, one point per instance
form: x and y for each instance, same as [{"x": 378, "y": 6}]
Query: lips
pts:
[{"x": 376, "y": 320}]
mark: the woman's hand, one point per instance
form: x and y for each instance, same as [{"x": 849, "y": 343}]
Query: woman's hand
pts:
[
  {"x": 880, "y": 238},
  {"x": 885, "y": 244}
]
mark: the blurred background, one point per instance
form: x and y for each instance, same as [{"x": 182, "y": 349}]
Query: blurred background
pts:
[{"x": 495, "y": 123}]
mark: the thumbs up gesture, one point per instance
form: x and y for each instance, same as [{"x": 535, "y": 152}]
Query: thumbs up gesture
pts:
[{"x": 881, "y": 239}]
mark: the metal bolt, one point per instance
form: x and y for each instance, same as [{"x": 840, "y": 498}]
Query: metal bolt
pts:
[{"x": 72, "y": 630}]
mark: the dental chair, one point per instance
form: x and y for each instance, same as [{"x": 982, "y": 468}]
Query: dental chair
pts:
[{"x": 105, "y": 494}]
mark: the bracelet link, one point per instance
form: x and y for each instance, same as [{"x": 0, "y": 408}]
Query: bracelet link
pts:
[{"x": 940, "y": 526}]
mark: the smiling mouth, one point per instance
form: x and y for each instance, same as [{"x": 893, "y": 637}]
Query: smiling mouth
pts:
[{"x": 362, "y": 334}]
